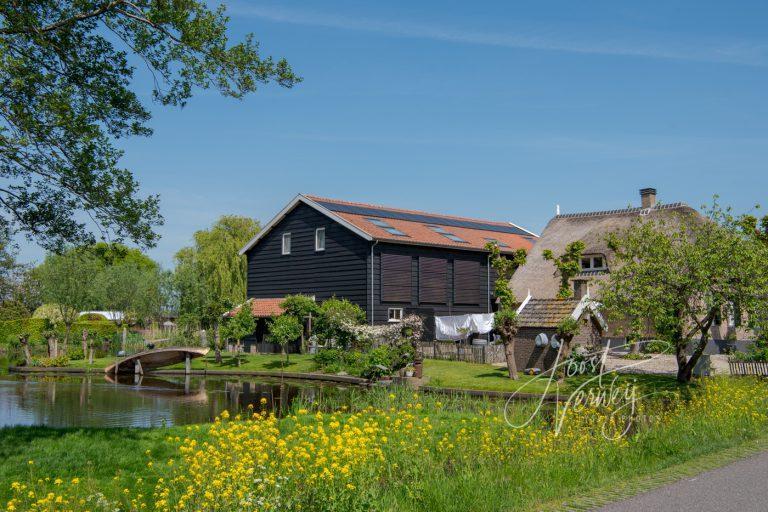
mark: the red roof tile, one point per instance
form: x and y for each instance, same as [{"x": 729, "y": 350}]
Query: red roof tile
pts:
[
  {"x": 418, "y": 233},
  {"x": 261, "y": 308}
]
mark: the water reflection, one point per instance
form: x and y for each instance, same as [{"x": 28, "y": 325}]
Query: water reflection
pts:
[{"x": 144, "y": 401}]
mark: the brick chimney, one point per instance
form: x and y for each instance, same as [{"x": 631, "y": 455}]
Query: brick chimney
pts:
[{"x": 648, "y": 197}]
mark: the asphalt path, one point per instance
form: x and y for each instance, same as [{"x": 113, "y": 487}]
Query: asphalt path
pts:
[{"x": 738, "y": 487}]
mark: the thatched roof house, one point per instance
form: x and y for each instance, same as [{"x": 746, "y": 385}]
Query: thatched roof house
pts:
[{"x": 538, "y": 275}]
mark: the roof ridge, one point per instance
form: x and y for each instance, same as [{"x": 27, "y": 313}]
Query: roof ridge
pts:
[
  {"x": 622, "y": 211},
  {"x": 405, "y": 210}
]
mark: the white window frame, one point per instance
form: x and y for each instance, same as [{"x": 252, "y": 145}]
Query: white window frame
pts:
[
  {"x": 317, "y": 239},
  {"x": 286, "y": 236},
  {"x": 398, "y": 315},
  {"x": 592, "y": 267}
]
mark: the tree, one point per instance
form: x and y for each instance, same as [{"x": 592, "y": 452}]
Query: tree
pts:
[
  {"x": 505, "y": 319},
  {"x": 567, "y": 265},
  {"x": 238, "y": 327},
  {"x": 130, "y": 290},
  {"x": 112, "y": 254},
  {"x": 66, "y": 69},
  {"x": 567, "y": 329},
  {"x": 65, "y": 281},
  {"x": 283, "y": 330},
  {"x": 679, "y": 276},
  {"x": 301, "y": 307},
  {"x": 210, "y": 276}
]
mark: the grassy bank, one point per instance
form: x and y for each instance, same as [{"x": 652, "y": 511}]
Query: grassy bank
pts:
[
  {"x": 448, "y": 374},
  {"x": 301, "y": 363},
  {"x": 391, "y": 450}
]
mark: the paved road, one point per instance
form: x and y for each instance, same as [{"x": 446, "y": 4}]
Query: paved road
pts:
[{"x": 738, "y": 487}]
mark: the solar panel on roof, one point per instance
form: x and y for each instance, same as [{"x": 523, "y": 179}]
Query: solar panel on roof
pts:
[{"x": 420, "y": 217}]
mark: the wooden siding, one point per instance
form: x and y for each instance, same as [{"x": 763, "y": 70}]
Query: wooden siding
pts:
[
  {"x": 413, "y": 306},
  {"x": 395, "y": 278},
  {"x": 339, "y": 270},
  {"x": 466, "y": 281},
  {"x": 433, "y": 280}
]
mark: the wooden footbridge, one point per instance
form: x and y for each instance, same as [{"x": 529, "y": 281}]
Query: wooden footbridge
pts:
[{"x": 156, "y": 358}]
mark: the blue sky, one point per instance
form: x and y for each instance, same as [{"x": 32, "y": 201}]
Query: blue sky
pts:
[{"x": 497, "y": 110}]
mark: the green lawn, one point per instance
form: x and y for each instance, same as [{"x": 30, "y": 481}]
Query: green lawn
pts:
[
  {"x": 457, "y": 374},
  {"x": 448, "y": 374},
  {"x": 301, "y": 363}
]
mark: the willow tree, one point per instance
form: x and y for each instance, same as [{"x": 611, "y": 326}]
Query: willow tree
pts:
[
  {"x": 680, "y": 276},
  {"x": 211, "y": 275},
  {"x": 67, "y": 69},
  {"x": 65, "y": 281},
  {"x": 505, "y": 319}
]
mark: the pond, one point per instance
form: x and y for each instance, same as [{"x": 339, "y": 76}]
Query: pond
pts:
[{"x": 97, "y": 400}]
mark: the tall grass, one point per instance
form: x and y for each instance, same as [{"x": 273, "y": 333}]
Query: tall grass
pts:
[{"x": 385, "y": 450}]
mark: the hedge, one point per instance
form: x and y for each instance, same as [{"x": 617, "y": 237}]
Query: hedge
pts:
[{"x": 34, "y": 327}]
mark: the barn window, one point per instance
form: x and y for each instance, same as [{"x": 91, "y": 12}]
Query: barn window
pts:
[
  {"x": 286, "y": 243},
  {"x": 320, "y": 239},
  {"x": 395, "y": 314}
]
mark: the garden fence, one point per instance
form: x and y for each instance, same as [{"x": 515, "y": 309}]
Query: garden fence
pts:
[
  {"x": 748, "y": 367},
  {"x": 485, "y": 354}
]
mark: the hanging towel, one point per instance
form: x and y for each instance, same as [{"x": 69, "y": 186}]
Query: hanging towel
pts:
[
  {"x": 449, "y": 327},
  {"x": 482, "y": 323}
]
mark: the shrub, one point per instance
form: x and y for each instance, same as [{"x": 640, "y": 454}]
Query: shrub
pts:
[
  {"x": 656, "y": 347},
  {"x": 335, "y": 317},
  {"x": 378, "y": 363},
  {"x": 34, "y": 328},
  {"x": 51, "y": 362}
]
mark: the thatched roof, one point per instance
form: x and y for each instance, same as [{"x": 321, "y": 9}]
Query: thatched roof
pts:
[{"x": 538, "y": 275}]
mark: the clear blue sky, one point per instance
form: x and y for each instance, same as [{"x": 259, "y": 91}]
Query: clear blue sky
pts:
[{"x": 497, "y": 110}]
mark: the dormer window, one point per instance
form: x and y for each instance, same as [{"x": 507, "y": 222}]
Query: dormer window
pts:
[{"x": 593, "y": 262}]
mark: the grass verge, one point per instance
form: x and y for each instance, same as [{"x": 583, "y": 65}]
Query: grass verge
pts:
[{"x": 387, "y": 450}]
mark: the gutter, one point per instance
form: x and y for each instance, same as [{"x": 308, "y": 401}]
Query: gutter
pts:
[{"x": 373, "y": 296}]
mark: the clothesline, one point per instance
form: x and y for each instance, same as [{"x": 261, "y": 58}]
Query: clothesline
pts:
[{"x": 458, "y": 327}]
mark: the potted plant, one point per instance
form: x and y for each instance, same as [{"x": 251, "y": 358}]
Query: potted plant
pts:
[{"x": 409, "y": 370}]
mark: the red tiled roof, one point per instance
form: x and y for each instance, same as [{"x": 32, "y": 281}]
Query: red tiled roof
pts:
[
  {"x": 261, "y": 308},
  {"x": 418, "y": 233}
]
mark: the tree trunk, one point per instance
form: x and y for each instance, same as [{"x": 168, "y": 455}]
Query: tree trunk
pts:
[
  {"x": 237, "y": 352},
  {"x": 85, "y": 343},
  {"x": 51, "y": 349},
  {"x": 509, "y": 354},
  {"x": 24, "y": 340},
  {"x": 217, "y": 342},
  {"x": 685, "y": 368},
  {"x": 124, "y": 338}
]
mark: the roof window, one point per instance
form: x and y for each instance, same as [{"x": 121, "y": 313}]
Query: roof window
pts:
[
  {"x": 497, "y": 242},
  {"x": 446, "y": 234},
  {"x": 386, "y": 227}
]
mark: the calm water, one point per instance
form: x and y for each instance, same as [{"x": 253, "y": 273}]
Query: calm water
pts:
[{"x": 99, "y": 401}]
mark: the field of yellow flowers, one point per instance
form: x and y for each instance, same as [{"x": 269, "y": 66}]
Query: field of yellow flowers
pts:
[{"x": 406, "y": 451}]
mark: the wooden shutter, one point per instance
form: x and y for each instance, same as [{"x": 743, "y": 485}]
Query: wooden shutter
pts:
[
  {"x": 395, "y": 278},
  {"x": 433, "y": 277},
  {"x": 466, "y": 282}
]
